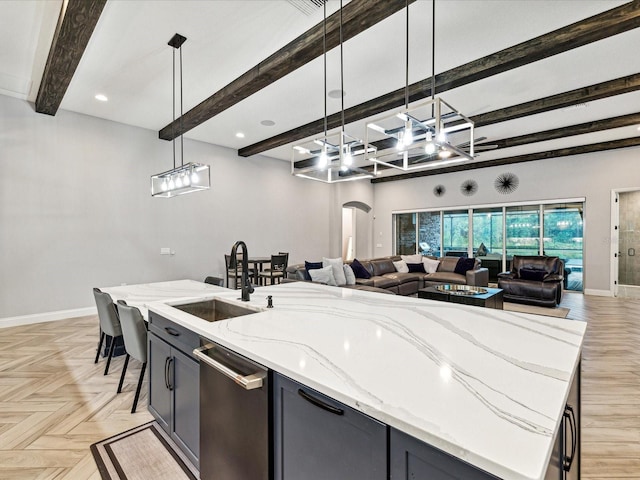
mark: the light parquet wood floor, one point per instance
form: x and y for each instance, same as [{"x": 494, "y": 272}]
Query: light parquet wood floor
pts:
[{"x": 54, "y": 402}]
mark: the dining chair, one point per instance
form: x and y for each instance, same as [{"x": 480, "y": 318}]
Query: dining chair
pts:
[
  {"x": 109, "y": 323},
  {"x": 134, "y": 331},
  {"x": 215, "y": 281},
  {"x": 234, "y": 270},
  {"x": 277, "y": 269}
]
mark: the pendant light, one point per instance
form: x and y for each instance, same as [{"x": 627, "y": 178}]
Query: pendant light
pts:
[
  {"x": 183, "y": 178},
  {"x": 429, "y": 134},
  {"x": 334, "y": 157}
]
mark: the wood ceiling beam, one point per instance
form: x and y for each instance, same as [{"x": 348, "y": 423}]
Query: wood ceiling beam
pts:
[
  {"x": 357, "y": 16},
  {"x": 76, "y": 23},
  {"x": 530, "y": 157},
  {"x": 592, "y": 29}
]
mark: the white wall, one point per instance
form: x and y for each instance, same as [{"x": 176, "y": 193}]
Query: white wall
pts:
[
  {"x": 592, "y": 176},
  {"x": 76, "y": 212}
]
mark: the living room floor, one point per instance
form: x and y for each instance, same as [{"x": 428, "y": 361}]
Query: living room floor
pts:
[{"x": 55, "y": 402}]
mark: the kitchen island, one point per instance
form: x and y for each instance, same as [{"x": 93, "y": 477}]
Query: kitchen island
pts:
[{"x": 488, "y": 387}]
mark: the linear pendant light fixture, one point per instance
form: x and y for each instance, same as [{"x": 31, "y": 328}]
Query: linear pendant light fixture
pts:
[
  {"x": 184, "y": 178},
  {"x": 334, "y": 157},
  {"x": 429, "y": 134}
]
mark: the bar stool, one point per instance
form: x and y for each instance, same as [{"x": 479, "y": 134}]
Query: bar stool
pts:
[
  {"x": 109, "y": 323},
  {"x": 134, "y": 331}
]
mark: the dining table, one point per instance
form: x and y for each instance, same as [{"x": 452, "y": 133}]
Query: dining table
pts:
[{"x": 257, "y": 265}]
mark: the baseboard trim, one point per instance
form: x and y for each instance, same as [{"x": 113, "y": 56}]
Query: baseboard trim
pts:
[
  {"x": 46, "y": 317},
  {"x": 598, "y": 293}
]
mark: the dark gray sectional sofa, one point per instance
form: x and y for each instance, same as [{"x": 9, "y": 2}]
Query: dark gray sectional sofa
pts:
[{"x": 385, "y": 277}]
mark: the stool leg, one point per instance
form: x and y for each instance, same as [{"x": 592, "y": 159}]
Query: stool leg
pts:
[
  {"x": 124, "y": 370},
  {"x": 135, "y": 399},
  {"x": 102, "y": 334}
]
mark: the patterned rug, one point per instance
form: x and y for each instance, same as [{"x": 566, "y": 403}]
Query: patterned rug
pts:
[{"x": 142, "y": 453}]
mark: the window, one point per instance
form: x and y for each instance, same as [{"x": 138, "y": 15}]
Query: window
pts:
[
  {"x": 487, "y": 231},
  {"x": 563, "y": 238},
  {"x": 405, "y": 226},
  {"x": 523, "y": 230},
  {"x": 455, "y": 232},
  {"x": 429, "y": 233}
]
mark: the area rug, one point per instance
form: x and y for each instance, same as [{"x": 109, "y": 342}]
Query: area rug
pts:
[
  {"x": 142, "y": 453},
  {"x": 560, "y": 312}
]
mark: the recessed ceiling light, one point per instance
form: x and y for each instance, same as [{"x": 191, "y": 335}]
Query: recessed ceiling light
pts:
[
  {"x": 101, "y": 97},
  {"x": 337, "y": 93},
  {"x": 267, "y": 123},
  {"x": 240, "y": 135}
]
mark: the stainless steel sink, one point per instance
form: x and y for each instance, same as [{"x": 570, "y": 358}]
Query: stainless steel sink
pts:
[{"x": 214, "y": 310}]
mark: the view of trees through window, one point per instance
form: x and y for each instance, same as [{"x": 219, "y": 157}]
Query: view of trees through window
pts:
[{"x": 497, "y": 233}]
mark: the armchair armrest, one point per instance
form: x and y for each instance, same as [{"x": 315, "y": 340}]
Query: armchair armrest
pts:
[
  {"x": 554, "y": 277},
  {"x": 506, "y": 275},
  {"x": 478, "y": 277}
]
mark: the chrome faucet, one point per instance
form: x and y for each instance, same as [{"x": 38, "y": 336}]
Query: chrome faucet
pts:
[{"x": 245, "y": 284}]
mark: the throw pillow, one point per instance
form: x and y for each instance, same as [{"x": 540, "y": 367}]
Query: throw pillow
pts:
[
  {"x": 430, "y": 265},
  {"x": 416, "y": 267},
  {"x": 464, "y": 264},
  {"x": 338, "y": 271},
  {"x": 417, "y": 258},
  {"x": 323, "y": 275},
  {"x": 359, "y": 270},
  {"x": 482, "y": 250},
  {"x": 349, "y": 275},
  {"x": 311, "y": 266},
  {"x": 532, "y": 274},
  {"x": 401, "y": 266}
]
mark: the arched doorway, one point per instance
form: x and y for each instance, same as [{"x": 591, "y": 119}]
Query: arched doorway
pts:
[{"x": 356, "y": 230}]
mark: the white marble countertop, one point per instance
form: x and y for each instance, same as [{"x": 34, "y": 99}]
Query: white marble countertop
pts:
[{"x": 487, "y": 386}]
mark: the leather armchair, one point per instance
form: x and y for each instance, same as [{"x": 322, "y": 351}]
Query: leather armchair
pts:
[{"x": 534, "y": 280}]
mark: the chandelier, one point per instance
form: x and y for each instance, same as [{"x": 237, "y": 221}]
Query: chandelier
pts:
[
  {"x": 334, "y": 157},
  {"x": 429, "y": 134},
  {"x": 184, "y": 178}
]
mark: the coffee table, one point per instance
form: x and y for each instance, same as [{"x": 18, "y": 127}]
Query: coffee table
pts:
[{"x": 489, "y": 298}]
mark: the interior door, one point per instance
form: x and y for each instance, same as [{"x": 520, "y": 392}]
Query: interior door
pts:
[{"x": 628, "y": 240}]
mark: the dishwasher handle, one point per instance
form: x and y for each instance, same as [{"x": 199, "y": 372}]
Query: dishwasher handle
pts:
[{"x": 248, "y": 382}]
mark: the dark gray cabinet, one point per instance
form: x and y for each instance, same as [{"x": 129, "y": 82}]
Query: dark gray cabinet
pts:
[
  {"x": 174, "y": 383},
  {"x": 317, "y": 438},
  {"x": 410, "y": 458},
  {"x": 565, "y": 458}
]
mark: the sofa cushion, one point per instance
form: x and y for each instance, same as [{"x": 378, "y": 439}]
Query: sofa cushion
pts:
[
  {"x": 535, "y": 274},
  {"x": 447, "y": 264},
  {"x": 349, "y": 275},
  {"x": 417, "y": 258},
  {"x": 382, "y": 266},
  {"x": 367, "y": 282},
  {"x": 338, "y": 271},
  {"x": 405, "y": 277},
  {"x": 430, "y": 264},
  {"x": 311, "y": 266},
  {"x": 416, "y": 267},
  {"x": 385, "y": 282},
  {"x": 401, "y": 266},
  {"x": 446, "y": 277},
  {"x": 323, "y": 275},
  {"x": 359, "y": 270},
  {"x": 464, "y": 264}
]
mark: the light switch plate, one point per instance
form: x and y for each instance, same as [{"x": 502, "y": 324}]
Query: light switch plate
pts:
[{"x": 165, "y": 251}]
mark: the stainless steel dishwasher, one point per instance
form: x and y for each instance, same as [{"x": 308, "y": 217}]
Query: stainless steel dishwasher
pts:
[{"x": 234, "y": 416}]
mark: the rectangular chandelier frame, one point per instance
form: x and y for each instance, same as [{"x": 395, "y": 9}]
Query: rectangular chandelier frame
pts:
[{"x": 430, "y": 134}]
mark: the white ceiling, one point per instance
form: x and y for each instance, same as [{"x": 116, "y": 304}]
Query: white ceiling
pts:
[{"x": 128, "y": 60}]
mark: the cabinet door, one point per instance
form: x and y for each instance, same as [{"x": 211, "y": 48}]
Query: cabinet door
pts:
[
  {"x": 317, "y": 438},
  {"x": 159, "y": 355},
  {"x": 571, "y": 430},
  {"x": 411, "y": 458},
  {"x": 185, "y": 387}
]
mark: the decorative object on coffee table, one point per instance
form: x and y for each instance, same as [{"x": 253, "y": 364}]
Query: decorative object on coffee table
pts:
[{"x": 465, "y": 295}]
